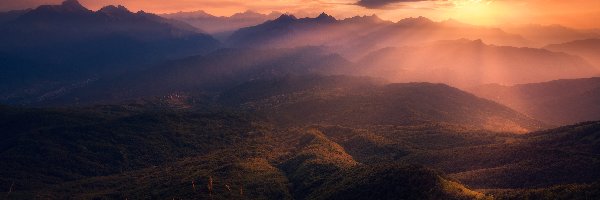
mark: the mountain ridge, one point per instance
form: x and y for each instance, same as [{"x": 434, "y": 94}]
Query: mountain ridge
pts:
[{"x": 556, "y": 102}]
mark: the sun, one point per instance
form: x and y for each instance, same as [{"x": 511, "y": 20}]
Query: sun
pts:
[{"x": 480, "y": 12}]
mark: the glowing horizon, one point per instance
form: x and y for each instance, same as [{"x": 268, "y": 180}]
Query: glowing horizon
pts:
[{"x": 575, "y": 13}]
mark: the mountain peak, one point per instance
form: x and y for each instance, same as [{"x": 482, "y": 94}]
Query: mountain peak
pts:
[
  {"x": 68, "y": 9},
  {"x": 246, "y": 14},
  {"x": 286, "y": 17},
  {"x": 324, "y": 17},
  {"x": 478, "y": 41},
  {"x": 72, "y": 5},
  {"x": 416, "y": 21},
  {"x": 114, "y": 10},
  {"x": 365, "y": 18}
]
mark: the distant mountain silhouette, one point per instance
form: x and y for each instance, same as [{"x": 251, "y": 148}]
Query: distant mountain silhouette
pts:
[
  {"x": 550, "y": 34},
  {"x": 56, "y": 47},
  {"x": 557, "y": 102},
  {"x": 11, "y": 15},
  {"x": 466, "y": 63},
  {"x": 587, "y": 48},
  {"x": 362, "y": 34},
  {"x": 214, "y": 72},
  {"x": 221, "y": 26},
  {"x": 289, "y": 31},
  {"x": 357, "y": 102}
]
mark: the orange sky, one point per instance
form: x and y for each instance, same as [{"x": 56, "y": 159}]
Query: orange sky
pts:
[{"x": 574, "y": 13}]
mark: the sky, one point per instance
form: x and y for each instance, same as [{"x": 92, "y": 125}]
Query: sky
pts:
[{"x": 573, "y": 13}]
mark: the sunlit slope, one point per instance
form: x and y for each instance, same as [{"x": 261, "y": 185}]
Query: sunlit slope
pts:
[
  {"x": 466, "y": 63},
  {"x": 357, "y": 102},
  {"x": 586, "y": 48}
]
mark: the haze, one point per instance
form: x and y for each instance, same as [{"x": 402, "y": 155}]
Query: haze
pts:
[
  {"x": 300, "y": 99},
  {"x": 575, "y": 13}
]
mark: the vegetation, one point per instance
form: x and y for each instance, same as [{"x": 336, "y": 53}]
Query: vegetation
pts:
[{"x": 156, "y": 150}]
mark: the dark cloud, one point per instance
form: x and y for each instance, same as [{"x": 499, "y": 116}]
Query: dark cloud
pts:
[{"x": 381, "y": 3}]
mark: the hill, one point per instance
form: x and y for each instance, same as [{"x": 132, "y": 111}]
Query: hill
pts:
[
  {"x": 465, "y": 63},
  {"x": 153, "y": 151},
  {"x": 586, "y": 48},
  {"x": 550, "y": 34},
  {"x": 360, "y": 102},
  {"x": 211, "y": 73},
  {"x": 42, "y": 147},
  {"x": 557, "y": 102},
  {"x": 565, "y": 155}
]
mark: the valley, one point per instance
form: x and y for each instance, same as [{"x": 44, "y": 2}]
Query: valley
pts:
[{"x": 106, "y": 102}]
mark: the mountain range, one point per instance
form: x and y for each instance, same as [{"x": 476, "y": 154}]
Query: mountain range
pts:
[
  {"x": 114, "y": 104},
  {"x": 355, "y": 102},
  {"x": 57, "y": 47},
  {"x": 466, "y": 63},
  {"x": 211, "y": 73},
  {"x": 550, "y": 34},
  {"x": 221, "y": 26},
  {"x": 359, "y": 35},
  {"x": 147, "y": 149},
  {"x": 586, "y": 48},
  {"x": 556, "y": 102}
]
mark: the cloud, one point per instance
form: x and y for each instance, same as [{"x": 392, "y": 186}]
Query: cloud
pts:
[{"x": 379, "y": 4}]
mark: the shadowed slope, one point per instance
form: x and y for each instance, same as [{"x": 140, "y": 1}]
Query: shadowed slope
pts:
[{"x": 557, "y": 102}]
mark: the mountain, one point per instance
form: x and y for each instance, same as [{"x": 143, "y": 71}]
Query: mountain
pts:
[
  {"x": 210, "y": 73},
  {"x": 465, "y": 63},
  {"x": 183, "y": 151},
  {"x": 412, "y": 31},
  {"x": 587, "y": 48},
  {"x": 569, "y": 191},
  {"x": 221, "y": 25},
  {"x": 482, "y": 160},
  {"x": 11, "y": 15},
  {"x": 360, "y": 102},
  {"x": 550, "y": 34},
  {"x": 147, "y": 149},
  {"x": 565, "y": 155},
  {"x": 58, "y": 47},
  {"x": 40, "y": 148},
  {"x": 556, "y": 102},
  {"x": 71, "y": 25},
  {"x": 289, "y": 31},
  {"x": 360, "y": 35}
]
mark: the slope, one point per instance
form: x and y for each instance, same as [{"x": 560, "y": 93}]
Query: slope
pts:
[
  {"x": 586, "y": 48},
  {"x": 359, "y": 102},
  {"x": 214, "y": 72},
  {"x": 466, "y": 63},
  {"x": 557, "y": 102},
  {"x": 58, "y": 47}
]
